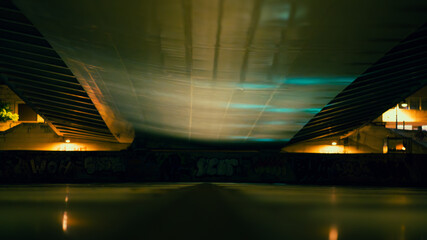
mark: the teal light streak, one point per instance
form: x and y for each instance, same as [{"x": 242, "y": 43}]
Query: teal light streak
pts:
[
  {"x": 294, "y": 110},
  {"x": 276, "y": 123},
  {"x": 285, "y": 15},
  {"x": 239, "y": 137},
  {"x": 312, "y": 110},
  {"x": 277, "y": 110},
  {"x": 246, "y": 106},
  {"x": 282, "y": 110},
  {"x": 341, "y": 81},
  {"x": 282, "y": 123}
]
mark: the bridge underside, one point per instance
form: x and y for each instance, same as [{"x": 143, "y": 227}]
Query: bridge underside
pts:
[{"x": 220, "y": 72}]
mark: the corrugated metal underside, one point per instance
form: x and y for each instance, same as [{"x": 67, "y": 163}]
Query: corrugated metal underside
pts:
[
  {"x": 33, "y": 69},
  {"x": 397, "y": 75}
]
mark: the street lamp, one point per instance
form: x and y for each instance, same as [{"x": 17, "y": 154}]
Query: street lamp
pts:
[
  {"x": 403, "y": 105},
  {"x": 397, "y": 107}
]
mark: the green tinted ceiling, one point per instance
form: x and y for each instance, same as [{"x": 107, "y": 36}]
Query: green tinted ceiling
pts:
[{"x": 220, "y": 70}]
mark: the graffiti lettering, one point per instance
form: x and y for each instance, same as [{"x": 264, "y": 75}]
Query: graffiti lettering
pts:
[
  {"x": 38, "y": 168},
  {"x": 51, "y": 167},
  {"x": 213, "y": 166},
  {"x": 104, "y": 164}
]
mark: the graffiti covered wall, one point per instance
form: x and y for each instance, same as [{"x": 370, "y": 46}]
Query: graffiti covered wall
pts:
[{"x": 154, "y": 166}]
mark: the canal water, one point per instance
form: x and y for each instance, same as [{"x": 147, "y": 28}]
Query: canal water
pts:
[{"x": 211, "y": 211}]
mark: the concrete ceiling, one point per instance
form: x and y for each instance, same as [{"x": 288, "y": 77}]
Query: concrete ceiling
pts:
[{"x": 220, "y": 70}]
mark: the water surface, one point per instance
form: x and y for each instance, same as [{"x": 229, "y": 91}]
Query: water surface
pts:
[{"x": 211, "y": 211}]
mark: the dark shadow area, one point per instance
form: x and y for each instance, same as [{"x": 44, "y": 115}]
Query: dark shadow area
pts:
[{"x": 145, "y": 140}]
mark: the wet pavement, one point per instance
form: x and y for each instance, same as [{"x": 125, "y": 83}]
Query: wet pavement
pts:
[{"x": 211, "y": 211}]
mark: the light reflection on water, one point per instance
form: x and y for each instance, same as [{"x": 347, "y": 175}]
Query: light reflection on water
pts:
[
  {"x": 65, "y": 215},
  {"x": 333, "y": 233},
  {"x": 64, "y": 221},
  {"x": 225, "y": 211}
]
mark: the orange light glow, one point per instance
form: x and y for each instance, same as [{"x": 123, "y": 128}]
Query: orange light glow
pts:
[
  {"x": 333, "y": 233},
  {"x": 331, "y": 149},
  {"x": 385, "y": 149},
  {"x": 64, "y": 221},
  {"x": 323, "y": 148},
  {"x": 67, "y": 141},
  {"x": 400, "y": 147},
  {"x": 71, "y": 147},
  {"x": 402, "y": 115}
]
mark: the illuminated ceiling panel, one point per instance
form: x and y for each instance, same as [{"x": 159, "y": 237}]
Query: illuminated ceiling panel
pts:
[{"x": 221, "y": 70}]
